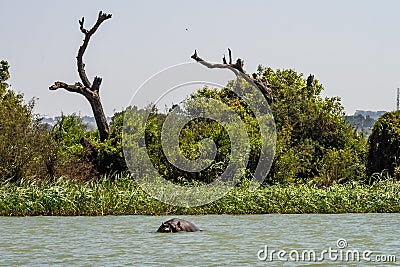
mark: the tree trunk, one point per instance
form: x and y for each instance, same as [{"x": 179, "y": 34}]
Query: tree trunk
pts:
[
  {"x": 87, "y": 89},
  {"x": 100, "y": 117}
]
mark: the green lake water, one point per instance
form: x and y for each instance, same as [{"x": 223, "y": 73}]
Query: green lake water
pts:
[{"x": 250, "y": 240}]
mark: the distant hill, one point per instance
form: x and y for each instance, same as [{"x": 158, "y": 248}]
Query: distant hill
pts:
[
  {"x": 363, "y": 120},
  {"x": 372, "y": 114}
]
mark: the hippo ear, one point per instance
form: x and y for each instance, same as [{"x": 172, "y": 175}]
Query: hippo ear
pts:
[{"x": 178, "y": 224}]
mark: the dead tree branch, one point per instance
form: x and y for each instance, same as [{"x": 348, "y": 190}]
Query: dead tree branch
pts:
[
  {"x": 86, "y": 88},
  {"x": 237, "y": 68}
]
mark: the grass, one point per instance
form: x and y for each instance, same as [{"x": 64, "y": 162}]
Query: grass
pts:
[{"x": 124, "y": 197}]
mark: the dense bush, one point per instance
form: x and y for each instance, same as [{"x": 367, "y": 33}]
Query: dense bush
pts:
[
  {"x": 384, "y": 146},
  {"x": 313, "y": 140},
  {"x": 30, "y": 149},
  {"x": 76, "y": 154},
  {"x": 26, "y": 149},
  {"x": 110, "y": 158},
  {"x": 82, "y": 155}
]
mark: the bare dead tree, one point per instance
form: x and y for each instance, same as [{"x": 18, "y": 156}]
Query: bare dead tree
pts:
[
  {"x": 87, "y": 89},
  {"x": 261, "y": 83}
]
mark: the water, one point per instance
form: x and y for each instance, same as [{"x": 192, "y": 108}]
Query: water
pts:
[{"x": 226, "y": 240}]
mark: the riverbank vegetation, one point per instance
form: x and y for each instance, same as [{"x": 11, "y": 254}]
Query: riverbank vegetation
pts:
[
  {"x": 313, "y": 142},
  {"x": 321, "y": 164},
  {"x": 123, "y": 196}
]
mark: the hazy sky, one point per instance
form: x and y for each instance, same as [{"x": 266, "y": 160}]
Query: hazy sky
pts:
[{"x": 352, "y": 47}]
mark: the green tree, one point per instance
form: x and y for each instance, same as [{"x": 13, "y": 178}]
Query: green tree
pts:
[
  {"x": 384, "y": 146},
  {"x": 26, "y": 150},
  {"x": 4, "y": 76},
  {"x": 110, "y": 157},
  {"x": 312, "y": 136},
  {"x": 313, "y": 141}
]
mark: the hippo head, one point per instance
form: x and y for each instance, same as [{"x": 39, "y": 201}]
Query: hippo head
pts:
[{"x": 170, "y": 227}]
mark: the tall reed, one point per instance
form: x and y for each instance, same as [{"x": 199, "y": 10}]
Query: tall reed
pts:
[{"x": 123, "y": 196}]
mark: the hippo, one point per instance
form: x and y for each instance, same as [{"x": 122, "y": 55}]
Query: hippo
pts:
[{"x": 177, "y": 225}]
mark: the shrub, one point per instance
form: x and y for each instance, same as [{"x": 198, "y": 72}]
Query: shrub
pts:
[
  {"x": 384, "y": 146},
  {"x": 110, "y": 158},
  {"x": 84, "y": 156},
  {"x": 26, "y": 149},
  {"x": 311, "y": 132},
  {"x": 313, "y": 140},
  {"x": 76, "y": 153}
]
